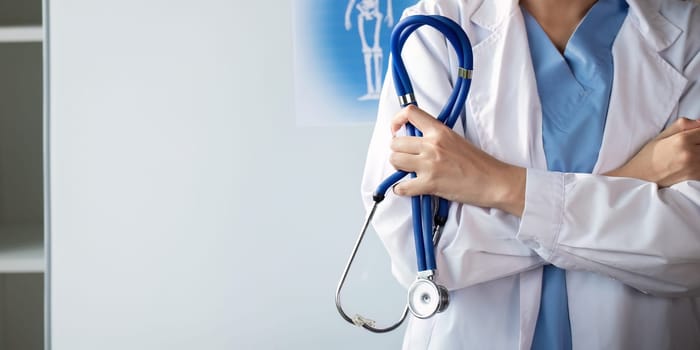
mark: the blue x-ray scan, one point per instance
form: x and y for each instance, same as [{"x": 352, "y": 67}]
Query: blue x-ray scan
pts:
[{"x": 341, "y": 57}]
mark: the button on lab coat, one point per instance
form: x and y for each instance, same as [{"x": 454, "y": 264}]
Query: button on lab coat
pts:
[{"x": 631, "y": 250}]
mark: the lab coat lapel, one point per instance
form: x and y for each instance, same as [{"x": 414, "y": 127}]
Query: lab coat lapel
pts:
[
  {"x": 507, "y": 113},
  {"x": 646, "y": 88},
  {"x": 504, "y": 102},
  {"x": 505, "y": 107},
  {"x": 657, "y": 31}
]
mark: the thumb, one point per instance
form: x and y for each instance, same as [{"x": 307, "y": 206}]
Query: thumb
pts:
[{"x": 680, "y": 125}]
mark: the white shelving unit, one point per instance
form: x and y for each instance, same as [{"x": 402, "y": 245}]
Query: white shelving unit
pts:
[{"x": 21, "y": 176}]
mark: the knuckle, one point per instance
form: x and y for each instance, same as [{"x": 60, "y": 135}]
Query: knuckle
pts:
[
  {"x": 430, "y": 185},
  {"x": 430, "y": 145},
  {"x": 393, "y": 158},
  {"x": 686, "y": 157},
  {"x": 684, "y": 123},
  {"x": 435, "y": 157},
  {"x": 439, "y": 156},
  {"x": 440, "y": 140},
  {"x": 410, "y": 109},
  {"x": 394, "y": 144},
  {"x": 401, "y": 115},
  {"x": 442, "y": 133}
]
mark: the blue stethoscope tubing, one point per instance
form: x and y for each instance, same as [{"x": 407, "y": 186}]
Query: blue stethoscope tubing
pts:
[
  {"x": 422, "y": 206},
  {"x": 427, "y": 222}
]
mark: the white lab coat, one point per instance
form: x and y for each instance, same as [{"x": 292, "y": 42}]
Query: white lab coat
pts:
[{"x": 631, "y": 250}]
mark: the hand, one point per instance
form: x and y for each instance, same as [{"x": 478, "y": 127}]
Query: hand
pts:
[
  {"x": 450, "y": 167},
  {"x": 670, "y": 158},
  {"x": 348, "y": 23}
]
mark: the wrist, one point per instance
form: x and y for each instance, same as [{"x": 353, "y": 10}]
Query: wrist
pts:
[
  {"x": 510, "y": 193},
  {"x": 644, "y": 174}
]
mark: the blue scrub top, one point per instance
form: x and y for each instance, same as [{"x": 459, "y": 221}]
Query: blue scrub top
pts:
[{"x": 574, "y": 90}]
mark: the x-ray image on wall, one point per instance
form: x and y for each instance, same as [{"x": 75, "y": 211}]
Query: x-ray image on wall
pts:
[{"x": 341, "y": 57}]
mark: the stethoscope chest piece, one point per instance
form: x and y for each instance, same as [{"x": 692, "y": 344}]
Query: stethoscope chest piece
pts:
[{"x": 425, "y": 298}]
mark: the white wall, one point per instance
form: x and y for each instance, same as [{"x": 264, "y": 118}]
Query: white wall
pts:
[{"x": 188, "y": 211}]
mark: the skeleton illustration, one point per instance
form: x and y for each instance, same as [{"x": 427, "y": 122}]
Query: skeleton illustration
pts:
[{"x": 369, "y": 11}]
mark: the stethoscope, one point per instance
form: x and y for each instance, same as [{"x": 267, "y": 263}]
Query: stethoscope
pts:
[{"x": 425, "y": 297}]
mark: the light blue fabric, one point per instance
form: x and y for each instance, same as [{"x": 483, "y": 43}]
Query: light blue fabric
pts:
[{"x": 574, "y": 90}]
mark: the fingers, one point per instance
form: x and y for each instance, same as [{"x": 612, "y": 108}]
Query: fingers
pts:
[
  {"x": 412, "y": 187},
  {"x": 680, "y": 125},
  {"x": 406, "y": 157},
  {"x": 417, "y": 117},
  {"x": 406, "y": 162},
  {"x": 406, "y": 144}
]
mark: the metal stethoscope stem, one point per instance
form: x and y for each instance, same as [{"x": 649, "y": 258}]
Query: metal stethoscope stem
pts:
[
  {"x": 359, "y": 320},
  {"x": 425, "y": 297}
]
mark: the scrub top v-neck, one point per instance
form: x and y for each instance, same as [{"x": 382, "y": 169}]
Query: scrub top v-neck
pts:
[{"x": 574, "y": 89}]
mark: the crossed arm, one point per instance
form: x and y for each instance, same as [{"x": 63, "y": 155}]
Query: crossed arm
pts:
[
  {"x": 450, "y": 167},
  {"x": 626, "y": 224},
  {"x": 639, "y": 224}
]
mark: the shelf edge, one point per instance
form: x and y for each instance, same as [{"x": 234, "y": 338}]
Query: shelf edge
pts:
[{"x": 21, "y": 34}]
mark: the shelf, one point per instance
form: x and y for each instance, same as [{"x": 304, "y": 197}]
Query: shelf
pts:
[
  {"x": 21, "y": 249},
  {"x": 21, "y": 34}
]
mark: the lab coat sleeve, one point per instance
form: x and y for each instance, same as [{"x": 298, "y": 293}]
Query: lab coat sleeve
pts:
[
  {"x": 627, "y": 229},
  {"x": 478, "y": 244}
]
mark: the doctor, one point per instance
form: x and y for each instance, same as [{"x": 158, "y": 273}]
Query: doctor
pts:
[{"x": 575, "y": 218}]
